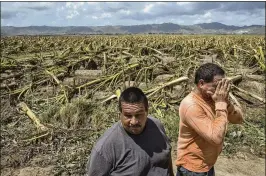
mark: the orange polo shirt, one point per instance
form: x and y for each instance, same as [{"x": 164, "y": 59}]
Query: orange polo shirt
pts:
[{"x": 202, "y": 128}]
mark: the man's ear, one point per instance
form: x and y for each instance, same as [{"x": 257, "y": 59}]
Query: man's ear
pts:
[
  {"x": 119, "y": 115},
  {"x": 200, "y": 83},
  {"x": 147, "y": 108}
]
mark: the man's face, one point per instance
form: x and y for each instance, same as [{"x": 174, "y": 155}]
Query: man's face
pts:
[
  {"x": 133, "y": 117},
  {"x": 208, "y": 89}
]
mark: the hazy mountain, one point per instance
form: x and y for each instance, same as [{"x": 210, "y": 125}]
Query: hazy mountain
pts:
[
  {"x": 202, "y": 28},
  {"x": 217, "y": 26}
]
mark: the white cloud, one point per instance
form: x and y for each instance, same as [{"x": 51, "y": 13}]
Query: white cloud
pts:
[
  {"x": 102, "y": 16},
  {"x": 207, "y": 15},
  {"x": 161, "y": 3},
  {"x": 126, "y": 12},
  {"x": 209, "y": 20},
  {"x": 74, "y": 8},
  {"x": 183, "y": 3},
  {"x": 34, "y": 5},
  {"x": 72, "y": 14},
  {"x": 106, "y": 15},
  {"x": 69, "y": 4},
  {"x": 78, "y": 5},
  {"x": 50, "y": 4},
  {"x": 198, "y": 20},
  {"x": 131, "y": 13},
  {"x": 148, "y": 8},
  {"x": 74, "y": 5},
  {"x": 92, "y": 3}
]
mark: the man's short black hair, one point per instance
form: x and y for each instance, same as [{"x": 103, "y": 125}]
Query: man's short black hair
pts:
[
  {"x": 133, "y": 95},
  {"x": 207, "y": 72}
]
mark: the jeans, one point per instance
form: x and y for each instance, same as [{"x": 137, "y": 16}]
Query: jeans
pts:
[{"x": 181, "y": 171}]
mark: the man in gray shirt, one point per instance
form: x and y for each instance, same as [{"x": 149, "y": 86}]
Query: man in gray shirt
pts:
[{"x": 136, "y": 145}]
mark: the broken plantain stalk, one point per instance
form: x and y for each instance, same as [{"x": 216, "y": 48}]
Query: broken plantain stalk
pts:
[
  {"x": 171, "y": 83},
  {"x": 250, "y": 94},
  {"x": 59, "y": 83},
  {"x": 32, "y": 116}
]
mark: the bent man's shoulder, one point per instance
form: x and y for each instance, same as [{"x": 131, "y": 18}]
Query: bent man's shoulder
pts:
[
  {"x": 158, "y": 123},
  {"x": 155, "y": 120},
  {"x": 101, "y": 157},
  {"x": 188, "y": 104},
  {"x": 107, "y": 138},
  {"x": 188, "y": 100}
]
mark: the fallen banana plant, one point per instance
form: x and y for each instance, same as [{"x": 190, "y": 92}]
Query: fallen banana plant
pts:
[
  {"x": 32, "y": 116},
  {"x": 154, "y": 90},
  {"x": 124, "y": 58},
  {"x": 248, "y": 93},
  {"x": 170, "y": 83},
  {"x": 36, "y": 137},
  {"x": 235, "y": 78},
  {"x": 234, "y": 99},
  {"x": 108, "y": 78},
  {"x": 61, "y": 85}
]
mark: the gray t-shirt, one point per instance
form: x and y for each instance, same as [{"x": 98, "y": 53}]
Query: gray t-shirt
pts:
[{"x": 118, "y": 153}]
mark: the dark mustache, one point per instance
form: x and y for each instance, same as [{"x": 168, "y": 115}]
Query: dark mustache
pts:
[{"x": 134, "y": 126}]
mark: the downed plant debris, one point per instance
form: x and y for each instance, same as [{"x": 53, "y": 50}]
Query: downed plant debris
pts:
[{"x": 59, "y": 93}]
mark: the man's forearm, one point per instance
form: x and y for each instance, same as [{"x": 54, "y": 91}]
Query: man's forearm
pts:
[
  {"x": 211, "y": 130},
  {"x": 221, "y": 109}
]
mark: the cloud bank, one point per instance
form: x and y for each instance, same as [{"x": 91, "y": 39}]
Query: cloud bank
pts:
[{"x": 130, "y": 13}]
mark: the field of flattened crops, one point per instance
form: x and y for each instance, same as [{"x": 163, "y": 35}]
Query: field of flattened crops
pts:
[{"x": 59, "y": 93}]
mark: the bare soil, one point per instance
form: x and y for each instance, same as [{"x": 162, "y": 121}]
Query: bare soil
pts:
[
  {"x": 248, "y": 166},
  {"x": 241, "y": 164}
]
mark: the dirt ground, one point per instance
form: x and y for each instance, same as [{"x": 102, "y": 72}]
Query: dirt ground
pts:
[
  {"x": 239, "y": 165},
  {"x": 251, "y": 166},
  {"x": 242, "y": 164}
]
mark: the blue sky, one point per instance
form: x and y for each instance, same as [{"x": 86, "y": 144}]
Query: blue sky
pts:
[{"x": 130, "y": 13}]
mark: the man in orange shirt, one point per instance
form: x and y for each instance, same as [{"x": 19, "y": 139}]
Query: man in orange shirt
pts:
[{"x": 204, "y": 116}]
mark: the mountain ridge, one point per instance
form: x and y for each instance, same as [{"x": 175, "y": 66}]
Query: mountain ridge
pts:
[{"x": 200, "y": 28}]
